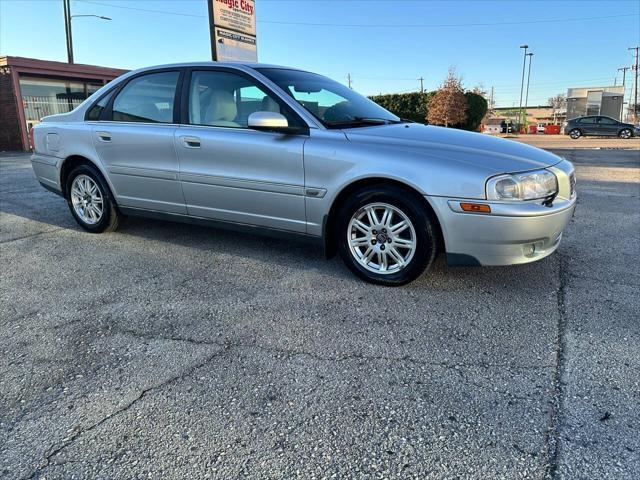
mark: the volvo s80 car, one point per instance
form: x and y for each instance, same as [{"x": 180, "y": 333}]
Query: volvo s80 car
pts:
[{"x": 279, "y": 150}]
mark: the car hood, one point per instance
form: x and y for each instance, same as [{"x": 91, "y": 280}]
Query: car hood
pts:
[{"x": 491, "y": 154}]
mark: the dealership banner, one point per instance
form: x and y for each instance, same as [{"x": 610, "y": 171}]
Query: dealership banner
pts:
[
  {"x": 232, "y": 24},
  {"x": 235, "y": 47}
]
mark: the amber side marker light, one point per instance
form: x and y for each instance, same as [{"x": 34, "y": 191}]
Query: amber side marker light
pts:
[{"x": 475, "y": 207}]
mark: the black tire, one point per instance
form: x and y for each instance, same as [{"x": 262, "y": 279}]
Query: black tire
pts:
[
  {"x": 575, "y": 134},
  {"x": 424, "y": 226},
  {"x": 625, "y": 133},
  {"x": 110, "y": 218}
]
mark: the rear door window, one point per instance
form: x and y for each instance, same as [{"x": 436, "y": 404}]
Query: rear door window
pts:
[
  {"x": 606, "y": 121},
  {"x": 149, "y": 99},
  {"x": 96, "y": 110}
]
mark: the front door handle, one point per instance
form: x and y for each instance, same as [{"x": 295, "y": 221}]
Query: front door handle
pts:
[
  {"x": 104, "y": 136},
  {"x": 190, "y": 142}
]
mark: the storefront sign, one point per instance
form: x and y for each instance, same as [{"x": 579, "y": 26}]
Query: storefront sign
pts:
[
  {"x": 235, "y": 47},
  {"x": 232, "y": 25}
]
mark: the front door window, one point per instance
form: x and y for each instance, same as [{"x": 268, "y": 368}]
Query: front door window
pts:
[{"x": 224, "y": 99}]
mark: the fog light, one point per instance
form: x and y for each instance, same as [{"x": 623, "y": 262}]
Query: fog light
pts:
[{"x": 529, "y": 249}]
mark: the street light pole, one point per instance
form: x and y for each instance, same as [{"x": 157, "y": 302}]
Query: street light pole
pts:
[
  {"x": 526, "y": 98},
  {"x": 524, "y": 63},
  {"x": 67, "y": 25}
]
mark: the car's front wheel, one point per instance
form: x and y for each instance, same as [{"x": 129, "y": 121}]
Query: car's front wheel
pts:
[
  {"x": 90, "y": 200},
  {"x": 625, "y": 133},
  {"x": 385, "y": 235},
  {"x": 575, "y": 133}
]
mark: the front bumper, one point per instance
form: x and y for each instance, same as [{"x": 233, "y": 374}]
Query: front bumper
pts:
[{"x": 513, "y": 233}]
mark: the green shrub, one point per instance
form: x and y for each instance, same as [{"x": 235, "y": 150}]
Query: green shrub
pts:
[
  {"x": 415, "y": 106},
  {"x": 410, "y": 106},
  {"x": 477, "y": 107}
]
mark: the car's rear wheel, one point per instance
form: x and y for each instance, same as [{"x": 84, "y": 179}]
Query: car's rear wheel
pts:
[
  {"x": 90, "y": 200},
  {"x": 625, "y": 133},
  {"x": 575, "y": 133},
  {"x": 385, "y": 235}
]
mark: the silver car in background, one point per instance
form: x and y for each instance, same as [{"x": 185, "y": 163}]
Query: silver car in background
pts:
[{"x": 278, "y": 150}]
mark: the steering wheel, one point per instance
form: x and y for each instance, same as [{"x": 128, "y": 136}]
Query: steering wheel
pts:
[{"x": 338, "y": 112}]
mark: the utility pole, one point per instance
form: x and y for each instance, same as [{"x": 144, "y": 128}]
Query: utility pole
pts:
[
  {"x": 635, "y": 86},
  {"x": 524, "y": 64},
  {"x": 491, "y": 101},
  {"x": 526, "y": 98},
  {"x": 421, "y": 85},
  {"x": 624, "y": 89},
  {"x": 67, "y": 26},
  {"x": 349, "y": 79}
]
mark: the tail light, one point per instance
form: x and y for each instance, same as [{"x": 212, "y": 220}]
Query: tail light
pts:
[{"x": 32, "y": 143}]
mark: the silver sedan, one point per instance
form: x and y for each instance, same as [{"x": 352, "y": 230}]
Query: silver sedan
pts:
[{"x": 282, "y": 151}]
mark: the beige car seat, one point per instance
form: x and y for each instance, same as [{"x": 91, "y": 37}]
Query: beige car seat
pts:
[{"x": 223, "y": 110}]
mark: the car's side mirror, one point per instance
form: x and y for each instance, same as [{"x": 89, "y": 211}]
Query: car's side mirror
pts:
[{"x": 270, "y": 121}]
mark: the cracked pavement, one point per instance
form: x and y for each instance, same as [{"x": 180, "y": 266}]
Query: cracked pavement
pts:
[{"x": 174, "y": 351}]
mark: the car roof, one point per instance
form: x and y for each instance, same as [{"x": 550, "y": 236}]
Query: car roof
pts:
[
  {"x": 212, "y": 63},
  {"x": 594, "y": 116}
]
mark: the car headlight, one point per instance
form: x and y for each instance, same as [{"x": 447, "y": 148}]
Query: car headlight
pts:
[{"x": 523, "y": 186}]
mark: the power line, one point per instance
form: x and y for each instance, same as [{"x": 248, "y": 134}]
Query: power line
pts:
[
  {"x": 513, "y": 87},
  {"x": 369, "y": 77},
  {"x": 372, "y": 25},
  {"x": 502, "y": 88},
  {"x": 146, "y": 10},
  {"x": 441, "y": 25}
]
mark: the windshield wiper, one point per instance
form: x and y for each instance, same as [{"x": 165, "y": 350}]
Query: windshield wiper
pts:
[{"x": 362, "y": 121}]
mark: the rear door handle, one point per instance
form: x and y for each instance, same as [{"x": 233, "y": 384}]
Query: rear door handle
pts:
[
  {"x": 104, "y": 136},
  {"x": 190, "y": 142}
]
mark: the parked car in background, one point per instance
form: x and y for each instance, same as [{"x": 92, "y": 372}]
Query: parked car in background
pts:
[
  {"x": 278, "y": 150},
  {"x": 597, "y": 125},
  {"x": 507, "y": 126}
]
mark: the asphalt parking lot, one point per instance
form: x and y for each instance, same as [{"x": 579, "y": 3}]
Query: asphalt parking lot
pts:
[{"x": 172, "y": 351}]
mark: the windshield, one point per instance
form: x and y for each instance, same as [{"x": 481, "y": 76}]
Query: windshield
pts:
[{"x": 334, "y": 104}]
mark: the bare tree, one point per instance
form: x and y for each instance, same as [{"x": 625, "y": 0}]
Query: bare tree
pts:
[
  {"x": 558, "y": 102},
  {"x": 449, "y": 105},
  {"x": 480, "y": 90}
]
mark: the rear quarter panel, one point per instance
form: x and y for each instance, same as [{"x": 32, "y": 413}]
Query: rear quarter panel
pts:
[{"x": 55, "y": 143}]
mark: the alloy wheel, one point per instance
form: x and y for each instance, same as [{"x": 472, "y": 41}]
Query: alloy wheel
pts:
[
  {"x": 625, "y": 134},
  {"x": 381, "y": 238},
  {"x": 87, "y": 200}
]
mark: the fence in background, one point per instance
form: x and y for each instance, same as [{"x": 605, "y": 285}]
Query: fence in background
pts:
[{"x": 37, "y": 107}]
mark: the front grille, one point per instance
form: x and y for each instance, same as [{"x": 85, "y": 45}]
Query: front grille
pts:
[{"x": 572, "y": 183}]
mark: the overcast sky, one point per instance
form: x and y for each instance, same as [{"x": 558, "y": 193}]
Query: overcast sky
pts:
[{"x": 385, "y": 45}]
